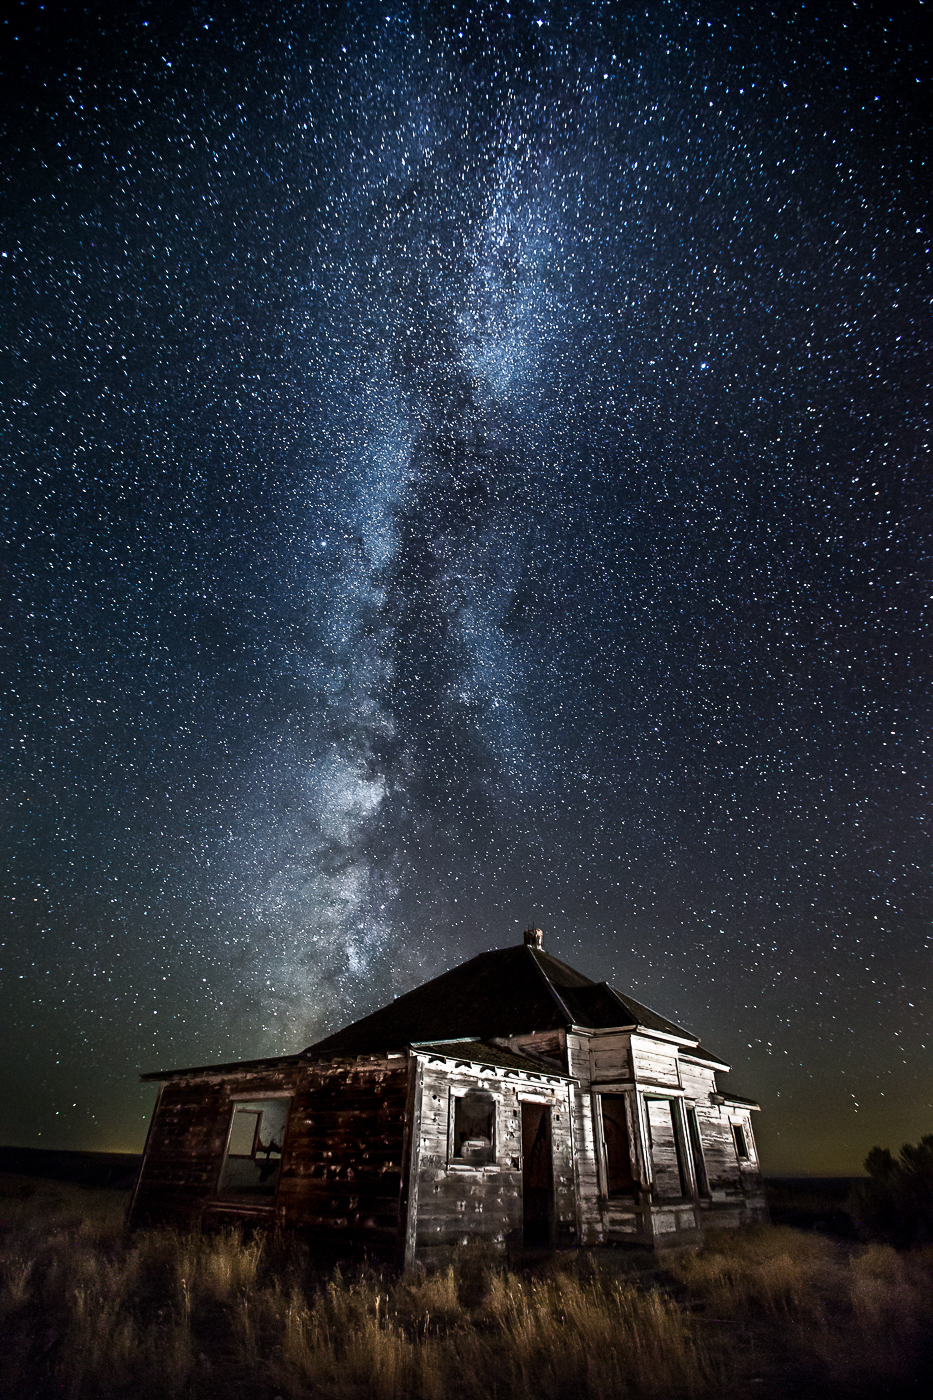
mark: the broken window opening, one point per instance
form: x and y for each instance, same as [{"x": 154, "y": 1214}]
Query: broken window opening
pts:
[
  {"x": 254, "y": 1150},
  {"x": 741, "y": 1145},
  {"x": 474, "y": 1127}
]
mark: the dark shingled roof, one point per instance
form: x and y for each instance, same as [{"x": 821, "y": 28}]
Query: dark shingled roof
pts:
[{"x": 506, "y": 992}]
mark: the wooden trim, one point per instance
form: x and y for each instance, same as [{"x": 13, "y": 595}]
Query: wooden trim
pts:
[
  {"x": 599, "y": 1144},
  {"x": 256, "y": 1095},
  {"x": 411, "y": 1154},
  {"x": 644, "y": 1141},
  {"x": 142, "y": 1166},
  {"x": 684, "y": 1150}
]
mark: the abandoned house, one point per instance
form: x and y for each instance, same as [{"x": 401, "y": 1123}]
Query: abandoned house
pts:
[{"x": 511, "y": 1100}]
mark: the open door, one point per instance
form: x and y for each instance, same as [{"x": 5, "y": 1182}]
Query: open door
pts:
[{"x": 537, "y": 1174}]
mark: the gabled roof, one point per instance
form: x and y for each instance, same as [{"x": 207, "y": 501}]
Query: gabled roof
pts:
[{"x": 503, "y": 993}]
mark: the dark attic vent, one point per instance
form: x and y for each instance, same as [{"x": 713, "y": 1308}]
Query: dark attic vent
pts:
[{"x": 534, "y": 937}]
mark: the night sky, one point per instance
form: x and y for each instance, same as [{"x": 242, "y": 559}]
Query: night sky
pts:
[{"x": 465, "y": 467}]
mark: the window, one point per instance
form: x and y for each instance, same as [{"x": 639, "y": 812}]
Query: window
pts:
[
  {"x": 741, "y": 1146},
  {"x": 619, "y": 1179},
  {"x": 474, "y": 1128},
  {"x": 254, "y": 1150}
]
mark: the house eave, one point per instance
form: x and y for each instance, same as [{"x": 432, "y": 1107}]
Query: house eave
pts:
[
  {"x": 270, "y": 1063},
  {"x": 236, "y": 1067},
  {"x": 735, "y": 1101},
  {"x": 440, "y": 1050},
  {"x": 707, "y": 1061}
]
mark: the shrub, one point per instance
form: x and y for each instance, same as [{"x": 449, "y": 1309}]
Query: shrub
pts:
[{"x": 895, "y": 1204}]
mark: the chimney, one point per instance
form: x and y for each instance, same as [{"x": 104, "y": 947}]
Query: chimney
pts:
[{"x": 534, "y": 937}]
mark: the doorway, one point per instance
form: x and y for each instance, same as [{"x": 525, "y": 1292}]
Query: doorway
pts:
[
  {"x": 537, "y": 1174},
  {"x": 619, "y": 1178}
]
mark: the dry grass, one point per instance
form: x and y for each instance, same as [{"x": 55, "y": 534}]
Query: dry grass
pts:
[
  {"x": 855, "y": 1320},
  {"x": 90, "y": 1313}
]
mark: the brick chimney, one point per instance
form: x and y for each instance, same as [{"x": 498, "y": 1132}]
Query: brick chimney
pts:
[{"x": 534, "y": 937}]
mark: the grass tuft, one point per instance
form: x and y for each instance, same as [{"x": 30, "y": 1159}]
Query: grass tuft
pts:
[{"x": 91, "y": 1313}]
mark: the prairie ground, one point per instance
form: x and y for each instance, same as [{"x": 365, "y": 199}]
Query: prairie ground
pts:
[{"x": 90, "y": 1312}]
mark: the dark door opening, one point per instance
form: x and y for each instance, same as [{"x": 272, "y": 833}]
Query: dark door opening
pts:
[
  {"x": 619, "y": 1178},
  {"x": 696, "y": 1147},
  {"x": 537, "y": 1174}
]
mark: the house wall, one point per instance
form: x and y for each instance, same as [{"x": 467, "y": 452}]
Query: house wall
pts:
[
  {"x": 655, "y": 1063},
  {"x": 343, "y": 1164},
  {"x": 451, "y": 1202},
  {"x": 367, "y": 1158},
  {"x": 736, "y": 1190},
  {"x": 342, "y": 1161},
  {"x": 183, "y": 1154},
  {"x": 638, "y": 1068}
]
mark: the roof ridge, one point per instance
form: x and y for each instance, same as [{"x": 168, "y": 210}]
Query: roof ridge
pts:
[
  {"x": 619, "y": 998},
  {"x": 586, "y": 981},
  {"x": 561, "y": 1004},
  {"x": 633, "y": 1004}
]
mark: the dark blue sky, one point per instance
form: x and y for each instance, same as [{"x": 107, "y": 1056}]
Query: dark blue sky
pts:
[{"x": 465, "y": 467}]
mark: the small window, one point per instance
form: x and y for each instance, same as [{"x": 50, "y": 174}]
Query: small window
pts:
[
  {"x": 474, "y": 1128},
  {"x": 741, "y": 1146},
  {"x": 254, "y": 1150}
]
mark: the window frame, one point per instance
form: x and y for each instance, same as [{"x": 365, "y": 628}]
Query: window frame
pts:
[
  {"x": 454, "y": 1160},
  {"x": 682, "y": 1150},
  {"x": 697, "y": 1152},
  {"x": 238, "y": 1103},
  {"x": 740, "y": 1137},
  {"x": 603, "y": 1154}
]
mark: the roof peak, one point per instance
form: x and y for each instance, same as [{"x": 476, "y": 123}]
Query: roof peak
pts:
[{"x": 503, "y": 992}]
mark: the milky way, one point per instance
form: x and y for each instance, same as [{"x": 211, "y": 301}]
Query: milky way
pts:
[{"x": 466, "y": 470}]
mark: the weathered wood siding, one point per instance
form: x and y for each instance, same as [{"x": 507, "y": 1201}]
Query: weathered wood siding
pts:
[
  {"x": 343, "y": 1160},
  {"x": 454, "y": 1202},
  {"x": 722, "y": 1166},
  {"x": 664, "y": 1148},
  {"x": 341, "y": 1168},
  {"x": 655, "y": 1062},
  {"x": 367, "y": 1158},
  {"x": 699, "y": 1080},
  {"x": 586, "y": 1161},
  {"x": 611, "y": 1058},
  {"x": 187, "y": 1140}
]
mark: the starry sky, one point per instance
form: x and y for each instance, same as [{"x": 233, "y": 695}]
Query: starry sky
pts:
[{"x": 464, "y": 467}]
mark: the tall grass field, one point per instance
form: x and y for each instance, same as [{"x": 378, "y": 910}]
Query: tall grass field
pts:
[{"x": 90, "y": 1312}]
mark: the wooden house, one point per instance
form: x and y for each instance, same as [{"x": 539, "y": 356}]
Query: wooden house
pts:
[{"x": 511, "y": 1100}]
